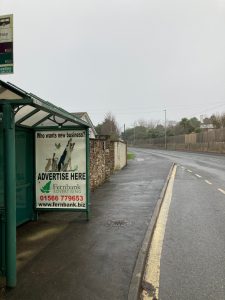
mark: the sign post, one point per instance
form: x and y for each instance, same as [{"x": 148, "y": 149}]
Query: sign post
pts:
[
  {"x": 62, "y": 170},
  {"x": 6, "y": 44}
]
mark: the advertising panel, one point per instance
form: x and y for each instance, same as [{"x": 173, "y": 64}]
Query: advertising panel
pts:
[
  {"x": 61, "y": 169},
  {"x": 6, "y": 44}
]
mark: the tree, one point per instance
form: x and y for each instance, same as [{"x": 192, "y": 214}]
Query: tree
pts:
[
  {"x": 216, "y": 121},
  {"x": 223, "y": 120},
  {"x": 194, "y": 125},
  {"x": 207, "y": 121},
  {"x": 108, "y": 127},
  {"x": 186, "y": 126},
  {"x": 159, "y": 131},
  {"x": 129, "y": 135}
]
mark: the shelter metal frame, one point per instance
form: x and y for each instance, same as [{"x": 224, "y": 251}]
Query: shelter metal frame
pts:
[{"x": 23, "y": 109}]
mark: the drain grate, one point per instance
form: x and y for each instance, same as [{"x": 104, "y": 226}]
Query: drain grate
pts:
[{"x": 117, "y": 223}]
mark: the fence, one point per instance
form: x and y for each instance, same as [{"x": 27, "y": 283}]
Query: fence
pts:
[{"x": 210, "y": 140}]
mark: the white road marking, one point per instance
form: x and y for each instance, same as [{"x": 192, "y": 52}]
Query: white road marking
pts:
[
  {"x": 199, "y": 176},
  {"x": 208, "y": 182},
  {"x": 152, "y": 271},
  {"x": 222, "y": 191},
  {"x": 190, "y": 171},
  {"x": 139, "y": 159}
]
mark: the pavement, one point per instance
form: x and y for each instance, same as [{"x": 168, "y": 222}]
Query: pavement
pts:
[{"x": 63, "y": 256}]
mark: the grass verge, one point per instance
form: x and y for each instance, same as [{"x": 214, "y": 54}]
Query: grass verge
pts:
[{"x": 130, "y": 155}]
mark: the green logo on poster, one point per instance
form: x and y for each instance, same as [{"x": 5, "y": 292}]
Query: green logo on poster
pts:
[{"x": 46, "y": 187}]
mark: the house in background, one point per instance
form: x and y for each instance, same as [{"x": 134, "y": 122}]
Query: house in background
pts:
[
  {"x": 85, "y": 117},
  {"x": 206, "y": 126}
]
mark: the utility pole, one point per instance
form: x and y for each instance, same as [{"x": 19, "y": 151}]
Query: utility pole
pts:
[
  {"x": 165, "y": 130},
  {"x": 134, "y": 133}
]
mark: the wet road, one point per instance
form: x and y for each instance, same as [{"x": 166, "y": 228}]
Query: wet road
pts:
[
  {"x": 193, "y": 253},
  {"x": 92, "y": 260},
  {"x": 211, "y": 166}
]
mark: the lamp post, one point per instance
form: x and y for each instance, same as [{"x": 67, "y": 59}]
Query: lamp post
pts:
[
  {"x": 134, "y": 133},
  {"x": 165, "y": 130}
]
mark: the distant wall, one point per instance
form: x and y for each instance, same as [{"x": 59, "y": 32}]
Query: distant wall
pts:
[{"x": 105, "y": 157}]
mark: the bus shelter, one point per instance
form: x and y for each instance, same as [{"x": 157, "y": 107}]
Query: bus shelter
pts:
[{"x": 44, "y": 165}]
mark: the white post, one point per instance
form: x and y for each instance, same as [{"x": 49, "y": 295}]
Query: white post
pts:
[{"x": 165, "y": 130}]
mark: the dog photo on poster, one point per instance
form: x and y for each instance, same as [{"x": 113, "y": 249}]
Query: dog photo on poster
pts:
[{"x": 61, "y": 169}]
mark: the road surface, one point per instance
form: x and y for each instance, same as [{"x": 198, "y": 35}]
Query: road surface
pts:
[{"x": 192, "y": 264}]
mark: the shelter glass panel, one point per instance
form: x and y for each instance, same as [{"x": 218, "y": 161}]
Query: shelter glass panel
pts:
[
  {"x": 47, "y": 123},
  {"x": 35, "y": 118},
  {"x": 24, "y": 175},
  {"x": 8, "y": 95},
  {"x": 68, "y": 123},
  {"x": 23, "y": 111},
  {"x": 53, "y": 121}
]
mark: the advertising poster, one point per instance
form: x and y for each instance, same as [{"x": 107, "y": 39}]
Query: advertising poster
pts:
[{"x": 61, "y": 169}]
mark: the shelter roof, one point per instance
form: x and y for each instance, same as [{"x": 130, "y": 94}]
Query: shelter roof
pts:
[{"x": 32, "y": 111}]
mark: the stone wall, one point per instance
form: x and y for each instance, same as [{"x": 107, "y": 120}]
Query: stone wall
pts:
[{"x": 101, "y": 161}]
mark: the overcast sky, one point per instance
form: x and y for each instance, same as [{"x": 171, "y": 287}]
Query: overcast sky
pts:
[{"x": 133, "y": 58}]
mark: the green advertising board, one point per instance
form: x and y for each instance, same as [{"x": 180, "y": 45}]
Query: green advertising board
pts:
[{"x": 6, "y": 44}]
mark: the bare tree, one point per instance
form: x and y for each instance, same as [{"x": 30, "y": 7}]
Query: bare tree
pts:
[
  {"x": 223, "y": 120},
  {"x": 216, "y": 120},
  {"x": 109, "y": 127}
]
